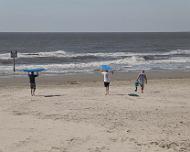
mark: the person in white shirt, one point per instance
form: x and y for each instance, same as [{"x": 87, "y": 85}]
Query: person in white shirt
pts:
[
  {"x": 107, "y": 80},
  {"x": 141, "y": 79}
]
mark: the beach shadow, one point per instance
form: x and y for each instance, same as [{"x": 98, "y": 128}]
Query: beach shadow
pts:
[
  {"x": 130, "y": 94},
  {"x": 133, "y": 95},
  {"x": 56, "y": 95},
  {"x": 49, "y": 96}
]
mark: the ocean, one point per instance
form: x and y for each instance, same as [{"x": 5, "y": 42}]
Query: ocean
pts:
[{"x": 84, "y": 52}]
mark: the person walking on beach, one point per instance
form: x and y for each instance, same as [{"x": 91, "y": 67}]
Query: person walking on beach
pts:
[
  {"x": 107, "y": 79},
  {"x": 141, "y": 79},
  {"x": 32, "y": 78}
]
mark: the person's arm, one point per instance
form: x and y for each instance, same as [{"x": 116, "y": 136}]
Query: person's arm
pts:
[
  {"x": 145, "y": 78},
  {"x": 102, "y": 72},
  {"x": 112, "y": 72},
  {"x": 138, "y": 77},
  {"x": 36, "y": 75},
  {"x": 99, "y": 70}
]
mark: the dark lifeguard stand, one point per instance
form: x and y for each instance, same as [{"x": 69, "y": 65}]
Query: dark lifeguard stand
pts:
[{"x": 14, "y": 56}]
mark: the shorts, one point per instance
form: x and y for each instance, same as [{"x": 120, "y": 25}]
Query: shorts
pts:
[
  {"x": 32, "y": 85},
  {"x": 137, "y": 83},
  {"x": 106, "y": 84},
  {"x": 142, "y": 85}
]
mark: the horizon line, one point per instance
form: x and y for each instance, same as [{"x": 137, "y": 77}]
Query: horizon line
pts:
[{"x": 94, "y": 31}]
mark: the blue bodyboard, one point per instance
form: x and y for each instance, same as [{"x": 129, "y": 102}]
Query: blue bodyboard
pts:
[
  {"x": 34, "y": 70},
  {"x": 105, "y": 67}
]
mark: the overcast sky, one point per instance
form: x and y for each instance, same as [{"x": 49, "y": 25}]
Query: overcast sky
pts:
[{"x": 94, "y": 15}]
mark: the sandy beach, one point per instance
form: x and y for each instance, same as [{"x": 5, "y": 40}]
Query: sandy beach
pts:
[{"x": 72, "y": 114}]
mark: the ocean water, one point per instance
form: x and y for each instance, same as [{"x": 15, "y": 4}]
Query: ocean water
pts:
[{"x": 85, "y": 52}]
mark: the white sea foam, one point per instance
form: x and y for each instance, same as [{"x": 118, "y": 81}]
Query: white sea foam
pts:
[
  {"x": 179, "y": 51},
  {"x": 61, "y": 54},
  {"x": 5, "y": 56},
  {"x": 172, "y": 60},
  {"x": 129, "y": 60},
  {"x": 93, "y": 65}
]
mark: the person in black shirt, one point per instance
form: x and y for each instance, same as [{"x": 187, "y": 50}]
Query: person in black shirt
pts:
[{"x": 32, "y": 78}]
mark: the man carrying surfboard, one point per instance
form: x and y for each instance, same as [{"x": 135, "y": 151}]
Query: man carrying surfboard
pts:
[
  {"x": 107, "y": 79},
  {"x": 106, "y": 71},
  {"x": 141, "y": 79},
  {"x": 32, "y": 78}
]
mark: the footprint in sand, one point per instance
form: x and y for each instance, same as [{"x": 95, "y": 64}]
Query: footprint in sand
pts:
[
  {"x": 113, "y": 139},
  {"x": 58, "y": 149},
  {"x": 23, "y": 142},
  {"x": 98, "y": 149},
  {"x": 18, "y": 113}
]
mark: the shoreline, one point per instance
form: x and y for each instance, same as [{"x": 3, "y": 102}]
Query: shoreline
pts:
[{"x": 80, "y": 78}]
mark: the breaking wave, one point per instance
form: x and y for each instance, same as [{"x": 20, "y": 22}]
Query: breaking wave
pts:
[
  {"x": 64, "y": 54},
  {"x": 62, "y": 61}
]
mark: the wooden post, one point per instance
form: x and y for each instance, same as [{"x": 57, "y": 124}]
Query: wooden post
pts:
[
  {"x": 14, "y": 56},
  {"x": 14, "y": 64}
]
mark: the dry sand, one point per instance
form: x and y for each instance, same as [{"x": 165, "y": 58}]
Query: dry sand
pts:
[{"x": 76, "y": 116}]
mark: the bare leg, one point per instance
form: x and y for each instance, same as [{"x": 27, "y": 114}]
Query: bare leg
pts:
[
  {"x": 107, "y": 90},
  {"x": 136, "y": 89},
  {"x": 34, "y": 91},
  {"x": 142, "y": 88}
]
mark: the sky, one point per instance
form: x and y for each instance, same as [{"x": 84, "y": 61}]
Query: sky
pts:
[{"x": 94, "y": 15}]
